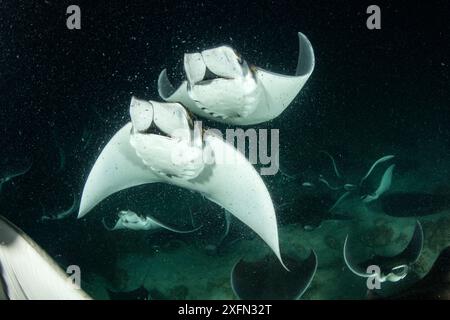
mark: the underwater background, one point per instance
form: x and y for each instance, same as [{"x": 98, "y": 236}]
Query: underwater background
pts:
[{"x": 64, "y": 93}]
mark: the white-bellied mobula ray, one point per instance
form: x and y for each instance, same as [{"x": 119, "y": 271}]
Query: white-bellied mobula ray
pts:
[
  {"x": 220, "y": 85},
  {"x": 161, "y": 144}
]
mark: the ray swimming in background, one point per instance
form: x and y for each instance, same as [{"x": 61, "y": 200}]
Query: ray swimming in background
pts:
[
  {"x": 392, "y": 268},
  {"x": 434, "y": 286},
  {"x": 264, "y": 279},
  {"x": 132, "y": 221},
  {"x": 359, "y": 189}
]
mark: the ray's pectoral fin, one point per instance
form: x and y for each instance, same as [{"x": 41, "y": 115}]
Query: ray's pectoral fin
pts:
[
  {"x": 266, "y": 280},
  {"x": 117, "y": 168},
  {"x": 351, "y": 263},
  {"x": 391, "y": 268},
  {"x": 282, "y": 89},
  {"x": 123, "y": 164},
  {"x": 384, "y": 186},
  {"x": 434, "y": 286},
  {"x": 168, "y": 92},
  {"x": 415, "y": 246},
  {"x": 220, "y": 187}
]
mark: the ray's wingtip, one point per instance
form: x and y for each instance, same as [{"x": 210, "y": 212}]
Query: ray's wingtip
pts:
[
  {"x": 284, "y": 266},
  {"x": 304, "y": 38},
  {"x": 165, "y": 87},
  {"x": 163, "y": 77},
  {"x": 282, "y": 262},
  {"x": 306, "y": 57},
  {"x": 162, "y": 73},
  {"x": 418, "y": 238},
  {"x": 278, "y": 255},
  {"x": 301, "y": 35},
  {"x": 82, "y": 211}
]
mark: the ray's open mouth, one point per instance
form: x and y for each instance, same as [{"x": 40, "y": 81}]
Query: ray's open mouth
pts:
[
  {"x": 210, "y": 77},
  {"x": 154, "y": 129}
]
